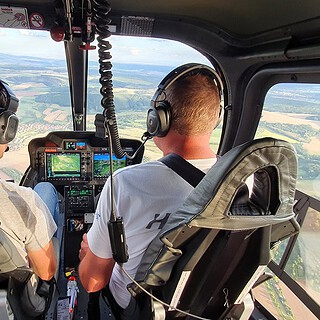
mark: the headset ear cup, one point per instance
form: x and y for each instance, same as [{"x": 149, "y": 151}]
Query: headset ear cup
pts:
[
  {"x": 164, "y": 112},
  {"x": 8, "y": 126},
  {"x": 152, "y": 122},
  {"x": 158, "y": 119}
]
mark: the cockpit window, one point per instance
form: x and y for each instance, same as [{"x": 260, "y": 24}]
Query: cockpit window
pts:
[
  {"x": 35, "y": 68},
  {"x": 138, "y": 66},
  {"x": 292, "y": 112}
]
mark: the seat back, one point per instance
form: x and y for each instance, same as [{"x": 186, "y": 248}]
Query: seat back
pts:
[
  {"x": 19, "y": 285},
  {"x": 214, "y": 247},
  {"x": 14, "y": 275},
  {"x": 10, "y": 259}
]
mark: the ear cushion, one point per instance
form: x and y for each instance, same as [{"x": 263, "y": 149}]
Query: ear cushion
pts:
[
  {"x": 158, "y": 119},
  {"x": 8, "y": 126}
]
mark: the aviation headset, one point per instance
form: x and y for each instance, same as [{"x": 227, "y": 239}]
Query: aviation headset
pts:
[
  {"x": 8, "y": 119},
  {"x": 159, "y": 115}
]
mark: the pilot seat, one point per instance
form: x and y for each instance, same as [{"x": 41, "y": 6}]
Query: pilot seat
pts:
[
  {"x": 23, "y": 296},
  {"x": 213, "y": 249}
]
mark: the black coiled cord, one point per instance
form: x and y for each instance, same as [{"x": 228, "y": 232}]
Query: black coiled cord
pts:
[{"x": 101, "y": 9}]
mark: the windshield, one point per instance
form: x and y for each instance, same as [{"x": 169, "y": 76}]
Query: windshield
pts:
[{"x": 35, "y": 68}]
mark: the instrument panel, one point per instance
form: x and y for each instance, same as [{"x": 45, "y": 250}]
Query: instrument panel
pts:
[
  {"x": 78, "y": 161},
  {"x": 65, "y": 158},
  {"x": 78, "y": 165}
]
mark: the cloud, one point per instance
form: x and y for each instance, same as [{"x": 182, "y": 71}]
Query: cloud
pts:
[
  {"x": 34, "y": 33},
  {"x": 135, "y": 51},
  {"x": 124, "y": 49}
]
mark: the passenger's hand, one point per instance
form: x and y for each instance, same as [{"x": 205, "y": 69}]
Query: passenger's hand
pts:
[{"x": 84, "y": 247}]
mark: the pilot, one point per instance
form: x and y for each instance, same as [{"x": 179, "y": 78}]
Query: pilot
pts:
[
  {"x": 184, "y": 111},
  {"x": 26, "y": 216}
]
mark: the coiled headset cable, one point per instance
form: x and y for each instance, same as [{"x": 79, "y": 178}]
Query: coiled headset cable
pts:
[{"x": 107, "y": 120}]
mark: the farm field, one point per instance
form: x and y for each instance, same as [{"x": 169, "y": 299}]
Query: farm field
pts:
[{"x": 290, "y": 113}]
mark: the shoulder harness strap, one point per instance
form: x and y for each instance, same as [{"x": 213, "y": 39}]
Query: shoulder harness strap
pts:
[{"x": 183, "y": 168}]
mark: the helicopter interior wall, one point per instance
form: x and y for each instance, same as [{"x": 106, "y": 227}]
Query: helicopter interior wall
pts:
[{"x": 242, "y": 18}]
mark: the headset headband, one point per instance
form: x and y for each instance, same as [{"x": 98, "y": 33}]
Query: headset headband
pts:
[
  {"x": 186, "y": 70},
  {"x": 159, "y": 115}
]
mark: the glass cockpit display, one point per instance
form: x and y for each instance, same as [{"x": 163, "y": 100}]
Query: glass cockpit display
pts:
[
  {"x": 74, "y": 158},
  {"x": 75, "y": 145},
  {"x": 61, "y": 165},
  {"x": 101, "y": 164}
]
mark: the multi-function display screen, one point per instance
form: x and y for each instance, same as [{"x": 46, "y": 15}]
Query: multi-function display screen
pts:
[
  {"x": 75, "y": 145},
  {"x": 63, "y": 165},
  {"x": 101, "y": 164}
]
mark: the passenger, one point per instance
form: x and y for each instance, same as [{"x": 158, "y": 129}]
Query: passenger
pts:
[
  {"x": 26, "y": 218},
  {"x": 146, "y": 193}
]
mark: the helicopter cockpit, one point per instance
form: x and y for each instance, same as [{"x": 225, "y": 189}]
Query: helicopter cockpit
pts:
[
  {"x": 78, "y": 165},
  {"x": 83, "y": 117}
]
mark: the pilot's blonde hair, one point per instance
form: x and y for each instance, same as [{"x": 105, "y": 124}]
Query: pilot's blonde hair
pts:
[{"x": 195, "y": 104}]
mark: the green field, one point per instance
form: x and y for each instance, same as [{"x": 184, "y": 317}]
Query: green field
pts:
[{"x": 44, "y": 95}]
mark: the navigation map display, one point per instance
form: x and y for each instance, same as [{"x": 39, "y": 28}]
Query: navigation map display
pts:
[
  {"x": 101, "y": 164},
  {"x": 63, "y": 165}
]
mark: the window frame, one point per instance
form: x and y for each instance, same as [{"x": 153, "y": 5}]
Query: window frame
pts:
[{"x": 254, "y": 97}]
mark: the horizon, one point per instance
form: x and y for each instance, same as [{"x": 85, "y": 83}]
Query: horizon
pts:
[{"x": 144, "y": 51}]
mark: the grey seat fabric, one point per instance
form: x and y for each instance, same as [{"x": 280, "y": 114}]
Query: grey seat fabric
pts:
[
  {"x": 27, "y": 302},
  {"x": 219, "y": 239},
  {"x": 9, "y": 257}
]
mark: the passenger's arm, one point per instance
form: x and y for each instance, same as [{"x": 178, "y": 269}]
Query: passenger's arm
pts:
[
  {"x": 43, "y": 261},
  {"x": 94, "y": 272}
]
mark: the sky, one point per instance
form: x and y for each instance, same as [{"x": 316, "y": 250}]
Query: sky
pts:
[{"x": 124, "y": 49}]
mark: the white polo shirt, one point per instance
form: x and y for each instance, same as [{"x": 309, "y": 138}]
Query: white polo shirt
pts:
[{"x": 144, "y": 195}]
